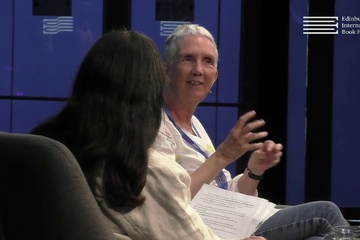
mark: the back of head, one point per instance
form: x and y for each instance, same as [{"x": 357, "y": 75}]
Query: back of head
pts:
[
  {"x": 119, "y": 84},
  {"x": 113, "y": 114},
  {"x": 183, "y": 31}
]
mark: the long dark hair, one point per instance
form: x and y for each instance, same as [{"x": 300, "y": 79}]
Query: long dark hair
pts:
[{"x": 113, "y": 114}]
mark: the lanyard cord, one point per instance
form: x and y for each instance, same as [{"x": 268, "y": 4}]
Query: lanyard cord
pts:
[{"x": 221, "y": 180}]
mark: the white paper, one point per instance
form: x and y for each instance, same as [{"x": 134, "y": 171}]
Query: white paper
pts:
[{"x": 231, "y": 215}]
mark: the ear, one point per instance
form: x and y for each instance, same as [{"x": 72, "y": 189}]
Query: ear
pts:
[
  {"x": 216, "y": 77},
  {"x": 166, "y": 67}
]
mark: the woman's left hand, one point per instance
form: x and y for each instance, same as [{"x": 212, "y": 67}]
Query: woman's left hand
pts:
[{"x": 265, "y": 157}]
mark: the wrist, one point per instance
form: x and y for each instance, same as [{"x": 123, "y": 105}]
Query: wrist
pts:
[
  {"x": 253, "y": 175},
  {"x": 222, "y": 158}
]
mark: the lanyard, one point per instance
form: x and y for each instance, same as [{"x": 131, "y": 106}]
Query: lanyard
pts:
[{"x": 221, "y": 180}]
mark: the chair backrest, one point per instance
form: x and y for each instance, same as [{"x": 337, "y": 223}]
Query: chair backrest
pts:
[{"x": 44, "y": 194}]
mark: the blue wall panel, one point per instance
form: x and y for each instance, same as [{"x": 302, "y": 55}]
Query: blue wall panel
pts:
[
  {"x": 143, "y": 16},
  {"x": 40, "y": 55},
  {"x": 5, "y": 115},
  {"x": 143, "y": 19},
  {"x": 6, "y": 18},
  {"x": 45, "y": 61},
  {"x": 207, "y": 117},
  {"x": 295, "y": 148},
  {"x": 27, "y": 114},
  {"x": 229, "y": 48}
]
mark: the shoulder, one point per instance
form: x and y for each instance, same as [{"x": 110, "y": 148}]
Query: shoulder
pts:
[{"x": 165, "y": 167}]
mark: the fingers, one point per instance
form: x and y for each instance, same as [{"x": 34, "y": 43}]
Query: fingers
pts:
[
  {"x": 245, "y": 118},
  {"x": 245, "y": 128},
  {"x": 253, "y": 146},
  {"x": 244, "y": 125},
  {"x": 271, "y": 146},
  {"x": 278, "y": 147},
  {"x": 244, "y": 138},
  {"x": 251, "y": 126},
  {"x": 268, "y": 155},
  {"x": 250, "y": 136}
]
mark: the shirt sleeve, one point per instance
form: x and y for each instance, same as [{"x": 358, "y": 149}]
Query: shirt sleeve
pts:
[{"x": 233, "y": 185}]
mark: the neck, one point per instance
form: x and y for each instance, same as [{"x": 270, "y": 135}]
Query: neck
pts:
[{"x": 181, "y": 113}]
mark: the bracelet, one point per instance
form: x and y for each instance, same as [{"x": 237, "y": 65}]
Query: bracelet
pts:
[{"x": 253, "y": 175}]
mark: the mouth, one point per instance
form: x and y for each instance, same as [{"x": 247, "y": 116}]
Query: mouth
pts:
[{"x": 195, "y": 83}]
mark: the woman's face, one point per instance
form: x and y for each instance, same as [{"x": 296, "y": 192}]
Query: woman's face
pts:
[{"x": 194, "y": 69}]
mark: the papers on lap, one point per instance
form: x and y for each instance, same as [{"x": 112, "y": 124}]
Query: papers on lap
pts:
[{"x": 231, "y": 215}]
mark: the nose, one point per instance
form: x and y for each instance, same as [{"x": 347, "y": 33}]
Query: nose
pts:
[{"x": 197, "y": 68}]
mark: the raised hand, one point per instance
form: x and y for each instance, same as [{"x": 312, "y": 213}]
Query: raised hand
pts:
[
  {"x": 265, "y": 157},
  {"x": 241, "y": 138}
]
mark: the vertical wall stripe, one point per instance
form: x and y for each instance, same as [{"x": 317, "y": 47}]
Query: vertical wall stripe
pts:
[{"x": 319, "y": 107}]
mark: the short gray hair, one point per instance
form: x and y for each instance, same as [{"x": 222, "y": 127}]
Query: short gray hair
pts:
[{"x": 181, "y": 31}]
